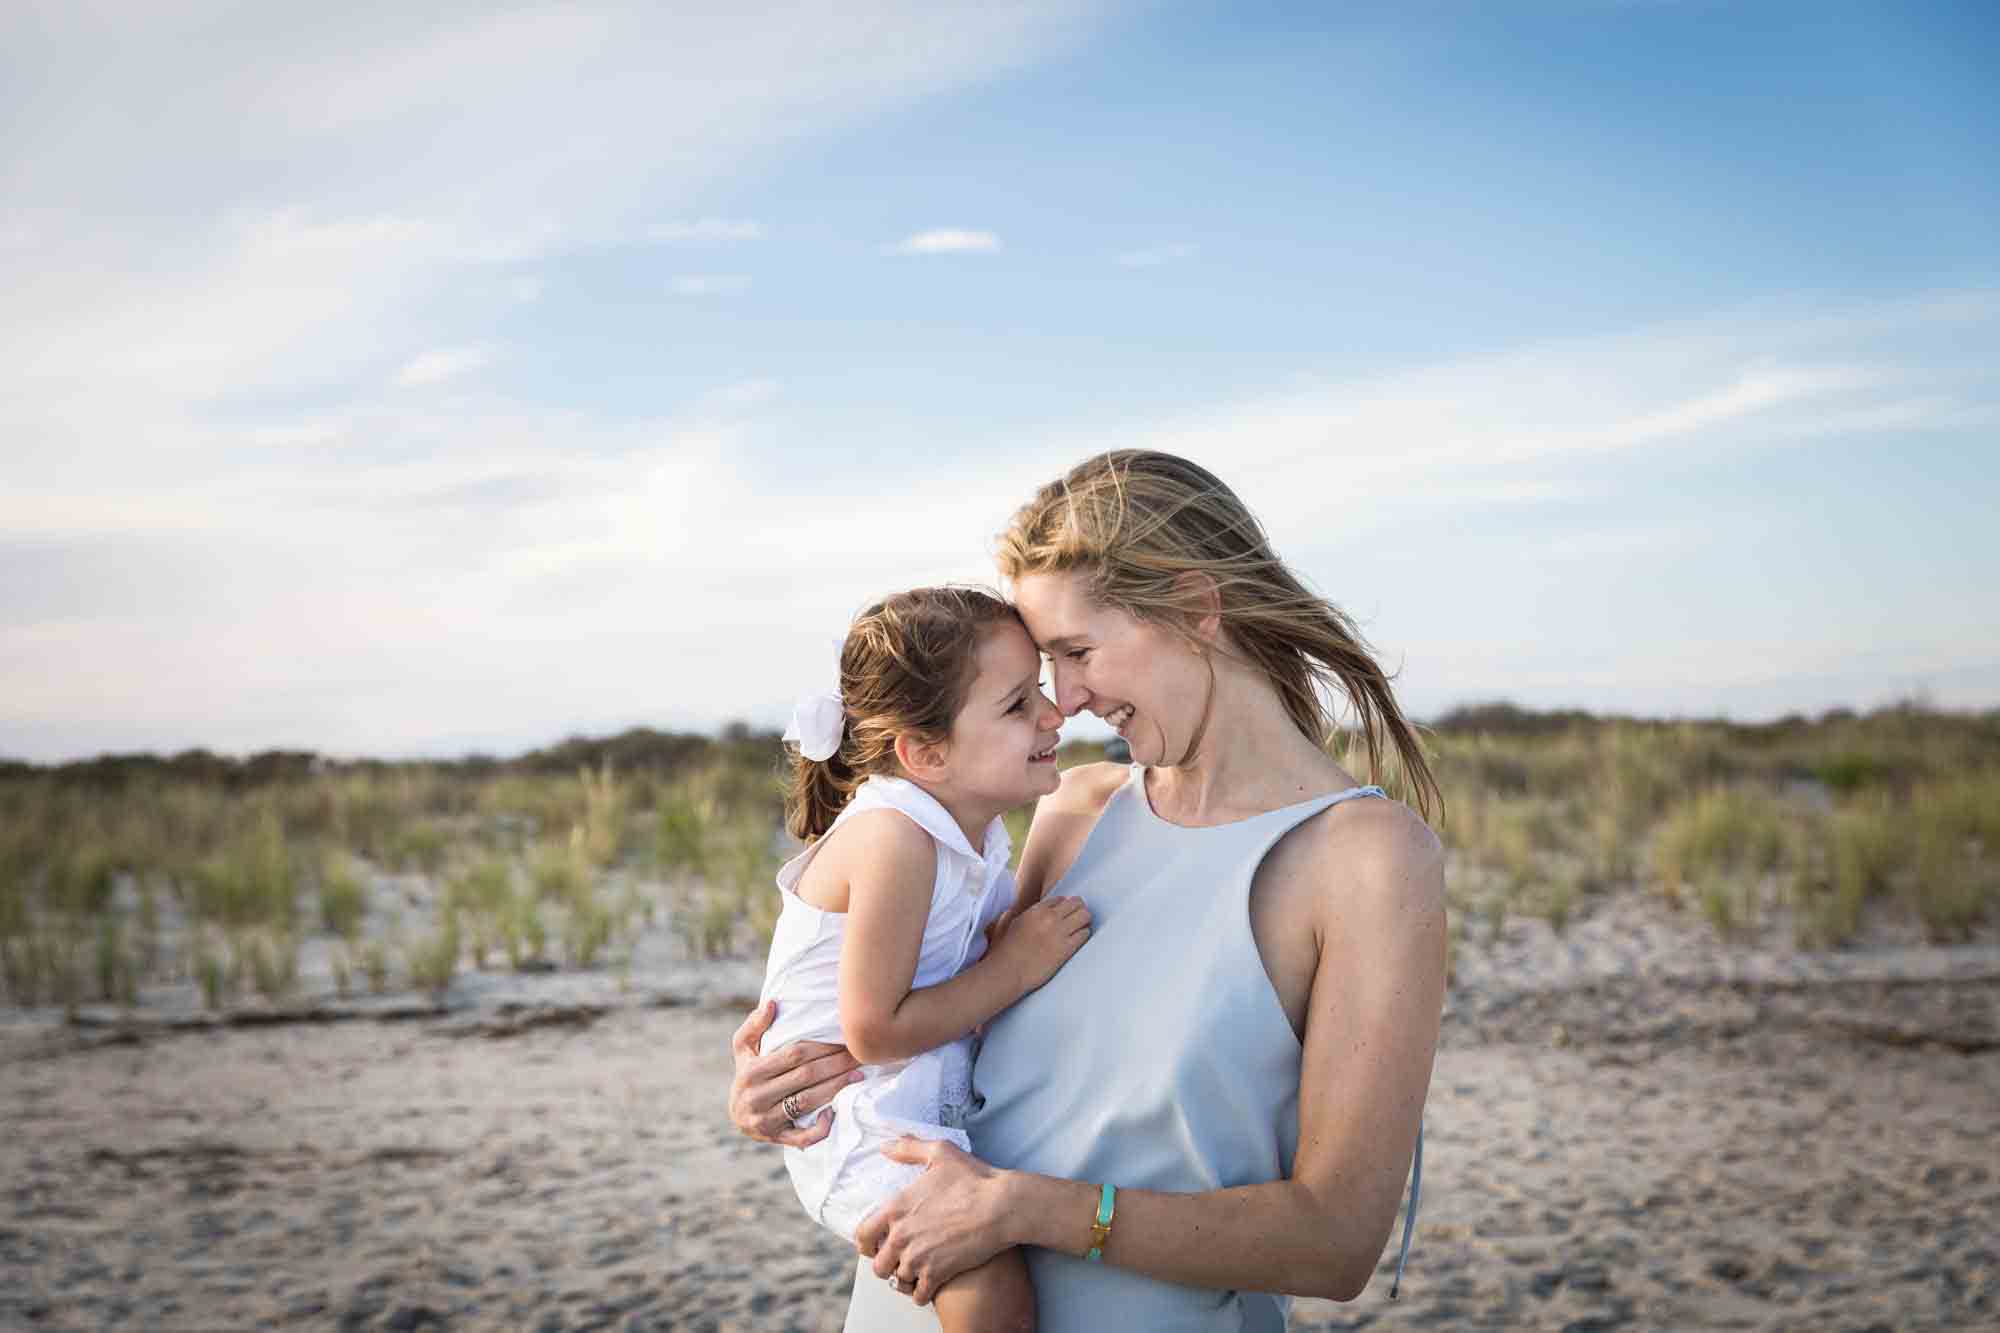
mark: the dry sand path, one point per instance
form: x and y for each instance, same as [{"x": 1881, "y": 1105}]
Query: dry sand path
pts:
[{"x": 1644, "y": 1152}]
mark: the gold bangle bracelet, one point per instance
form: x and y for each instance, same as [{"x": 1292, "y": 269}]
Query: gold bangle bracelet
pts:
[{"x": 1100, "y": 1226}]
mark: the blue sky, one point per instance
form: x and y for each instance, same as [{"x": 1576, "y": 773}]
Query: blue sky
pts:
[{"x": 399, "y": 380}]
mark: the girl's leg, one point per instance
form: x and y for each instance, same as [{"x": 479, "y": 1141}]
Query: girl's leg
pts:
[{"x": 995, "y": 1297}]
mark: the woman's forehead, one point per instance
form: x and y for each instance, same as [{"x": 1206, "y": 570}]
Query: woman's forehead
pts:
[{"x": 1054, "y": 606}]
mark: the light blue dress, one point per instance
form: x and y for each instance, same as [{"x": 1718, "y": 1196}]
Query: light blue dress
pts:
[{"x": 1159, "y": 1057}]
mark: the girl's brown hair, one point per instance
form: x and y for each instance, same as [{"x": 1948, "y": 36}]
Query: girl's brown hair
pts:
[
  {"x": 904, "y": 669},
  {"x": 1133, "y": 522}
]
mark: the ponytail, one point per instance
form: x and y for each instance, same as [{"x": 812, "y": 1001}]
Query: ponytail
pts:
[{"x": 820, "y": 789}]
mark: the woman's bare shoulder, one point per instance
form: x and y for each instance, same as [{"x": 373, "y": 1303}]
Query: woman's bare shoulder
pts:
[
  {"x": 1063, "y": 819},
  {"x": 1375, "y": 849},
  {"x": 1085, "y": 789}
]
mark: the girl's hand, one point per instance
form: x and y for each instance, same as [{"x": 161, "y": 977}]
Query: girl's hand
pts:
[
  {"x": 950, "y": 1220},
  {"x": 999, "y": 928},
  {"x": 1042, "y": 938},
  {"x": 809, "y": 1071}
]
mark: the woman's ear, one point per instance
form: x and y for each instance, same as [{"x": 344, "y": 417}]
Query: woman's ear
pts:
[
  {"x": 923, "y": 760},
  {"x": 1202, "y": 599}
]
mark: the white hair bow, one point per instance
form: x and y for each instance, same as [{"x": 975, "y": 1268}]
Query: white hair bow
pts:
[
  {"x": 817, "y": 723},
  {"x": 818, "y": 720}
]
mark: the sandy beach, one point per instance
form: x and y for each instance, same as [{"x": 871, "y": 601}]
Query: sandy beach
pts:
[{"x": 1630, "y": 1125}]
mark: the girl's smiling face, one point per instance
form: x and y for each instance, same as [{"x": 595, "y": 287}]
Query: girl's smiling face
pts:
[
  {"x": 1146, "y": 681},
  {"x": 1003, "y": 738}
]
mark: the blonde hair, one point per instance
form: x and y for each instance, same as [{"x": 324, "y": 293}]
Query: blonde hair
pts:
[
  {"x": 1133, "y": 523},
  {"x": 904, "y": 670}
]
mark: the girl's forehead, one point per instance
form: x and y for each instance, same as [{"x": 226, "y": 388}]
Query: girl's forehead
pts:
[{"x": 1006, "y": 655}]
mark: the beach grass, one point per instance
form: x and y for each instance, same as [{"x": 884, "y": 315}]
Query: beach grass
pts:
[{"x": 119, "y": 873}]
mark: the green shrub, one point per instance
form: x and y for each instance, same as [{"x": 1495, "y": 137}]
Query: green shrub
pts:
[
  {"x": 1723, "y": 833},
  {"x": 343, "y": 900},
  {"x": 1955, "y": 877},
  {"x": 678, "y": 845},
  {"x": 560, "y": 871},
  {"x": 375, "y": 965},
  {"x": 421, "y": 845},
  {"x": 433, "y": 961},
  {"x": 1849, "y": 771},
  {"x": 272, "y": 960},
  {"x": 586, "y": 930}
]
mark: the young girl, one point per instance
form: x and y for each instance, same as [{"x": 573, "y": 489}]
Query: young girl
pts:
[{"x": 898, "y": 785}]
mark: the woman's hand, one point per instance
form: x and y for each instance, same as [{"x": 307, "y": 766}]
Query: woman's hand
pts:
[
  {"x": 953, "y": 1218},
  {"x": 809, "y": 1072}
]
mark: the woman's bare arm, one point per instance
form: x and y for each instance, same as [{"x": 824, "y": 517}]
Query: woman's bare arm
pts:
[
  {"x": 1063, "y": 820},
  {"x": 1370, "y": 1036}
]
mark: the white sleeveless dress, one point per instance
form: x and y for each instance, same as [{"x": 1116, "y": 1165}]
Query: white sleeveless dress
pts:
[
  {"x": 842, "y": 1178},
  {"x": 1159, "y": 1057}
]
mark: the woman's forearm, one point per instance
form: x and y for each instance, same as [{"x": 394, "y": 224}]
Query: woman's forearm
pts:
[{"x": 1267, "y": 1237}]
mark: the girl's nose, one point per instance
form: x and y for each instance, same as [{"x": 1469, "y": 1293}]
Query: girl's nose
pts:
[{"x": 1047, "y": 717}]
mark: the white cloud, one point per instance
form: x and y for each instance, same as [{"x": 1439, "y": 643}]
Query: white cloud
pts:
[
  {"x": 675, "y": 569},
  {"x": 707, "y": 229},
  {"x": 947, "y": 241},
  {"x": 440, "y": 364},
  {"x": 1508, "y": 419},
  {"x": 746, "y": 393},
  {"x": 1154, "y": 256},
  {"x": 708, "y": 284},
  {"x": 359, "y": 568}
]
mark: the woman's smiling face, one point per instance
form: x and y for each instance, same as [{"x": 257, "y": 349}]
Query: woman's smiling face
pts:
[{"x": 1147, "y": 682}]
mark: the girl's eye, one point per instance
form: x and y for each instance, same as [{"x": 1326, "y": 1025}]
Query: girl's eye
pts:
[
  {"x": 1077, "y": 654},
  {"x": 1017, "y": 705}
]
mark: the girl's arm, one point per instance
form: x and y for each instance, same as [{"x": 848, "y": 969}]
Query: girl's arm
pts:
[
  {"x": 1371, "y": 1032},
  {"x": 889, "y": 900}
]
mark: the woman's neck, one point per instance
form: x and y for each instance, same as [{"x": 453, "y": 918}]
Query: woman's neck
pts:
[{"x": 1252, "y": 758}]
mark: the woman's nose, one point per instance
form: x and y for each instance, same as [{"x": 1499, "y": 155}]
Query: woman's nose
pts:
[{"x": 1070, "y": 693}]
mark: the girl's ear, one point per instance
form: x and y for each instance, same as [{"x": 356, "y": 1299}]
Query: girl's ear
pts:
[{"x": 923, "y": 760}]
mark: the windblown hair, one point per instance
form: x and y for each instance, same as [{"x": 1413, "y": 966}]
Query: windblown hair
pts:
[
  {"x": 904, "y": 670},
  {"x": 1133, "y": 522}
]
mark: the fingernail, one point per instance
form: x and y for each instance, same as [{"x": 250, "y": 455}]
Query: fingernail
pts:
[{"x": 855, "y": 1076}]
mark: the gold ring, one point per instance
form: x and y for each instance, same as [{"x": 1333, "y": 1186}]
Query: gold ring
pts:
[{"x": 790, "y": 1106}]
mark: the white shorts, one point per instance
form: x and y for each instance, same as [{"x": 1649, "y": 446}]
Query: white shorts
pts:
[{"x": 844, "y": 1177}]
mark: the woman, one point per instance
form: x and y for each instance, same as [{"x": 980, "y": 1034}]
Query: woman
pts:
[{"x": 1219, "y": 1097}]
